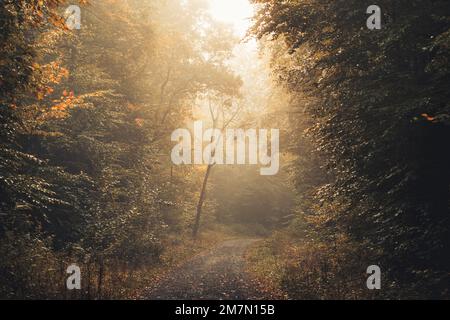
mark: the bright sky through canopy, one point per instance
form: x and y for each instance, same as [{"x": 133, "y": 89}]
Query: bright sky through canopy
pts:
[{"x": 235, "y": 12}]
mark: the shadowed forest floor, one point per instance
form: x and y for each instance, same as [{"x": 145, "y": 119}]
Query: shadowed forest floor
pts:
[{"x": 217, "y": 274}]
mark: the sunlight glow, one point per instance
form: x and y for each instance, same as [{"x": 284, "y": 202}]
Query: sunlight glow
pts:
[{"x": 235, "y": 12}]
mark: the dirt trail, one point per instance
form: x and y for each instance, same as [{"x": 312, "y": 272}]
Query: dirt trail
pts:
[{"x": 217, "y": 274}]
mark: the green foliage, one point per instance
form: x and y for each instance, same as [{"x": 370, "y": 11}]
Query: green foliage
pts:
[
  {"x": 378, "y": 106},
  {"x": 85, "y": 118}
]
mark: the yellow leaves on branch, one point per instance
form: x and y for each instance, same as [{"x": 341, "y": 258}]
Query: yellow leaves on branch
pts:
[
  {"x": 49, "y": 76},
  {"x": 67, "y": 101},
  {"x": 58, "y": 22},
  {"x": 44, "y": 11},
  {"x": 54, "y": 18}
]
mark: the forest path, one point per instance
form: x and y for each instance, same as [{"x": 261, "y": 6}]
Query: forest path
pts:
[{"x": 217, "y": 274}]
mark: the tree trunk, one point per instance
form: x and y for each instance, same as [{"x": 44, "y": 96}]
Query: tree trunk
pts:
[{"x": 201, "y": 201}]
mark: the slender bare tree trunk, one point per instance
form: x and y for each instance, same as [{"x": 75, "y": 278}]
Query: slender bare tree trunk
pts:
[
  {"x": 201, "y": 201},
  {"x": 215, "y": 118}
]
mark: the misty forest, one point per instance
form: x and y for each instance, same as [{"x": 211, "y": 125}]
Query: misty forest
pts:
[{"x": 87, "y": 178}]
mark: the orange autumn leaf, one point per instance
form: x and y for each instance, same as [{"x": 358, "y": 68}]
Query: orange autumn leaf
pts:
[
  {"x": 58, "y": 22},
  {"x": 429, "y": 118},
  {"x": 64, "y": 72},
  {"x": 40, "y": 95},
  {"x": 139, "y": 122},
  {"x": 60, "y": 107},
  {"x": 35, "y": 66}
]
